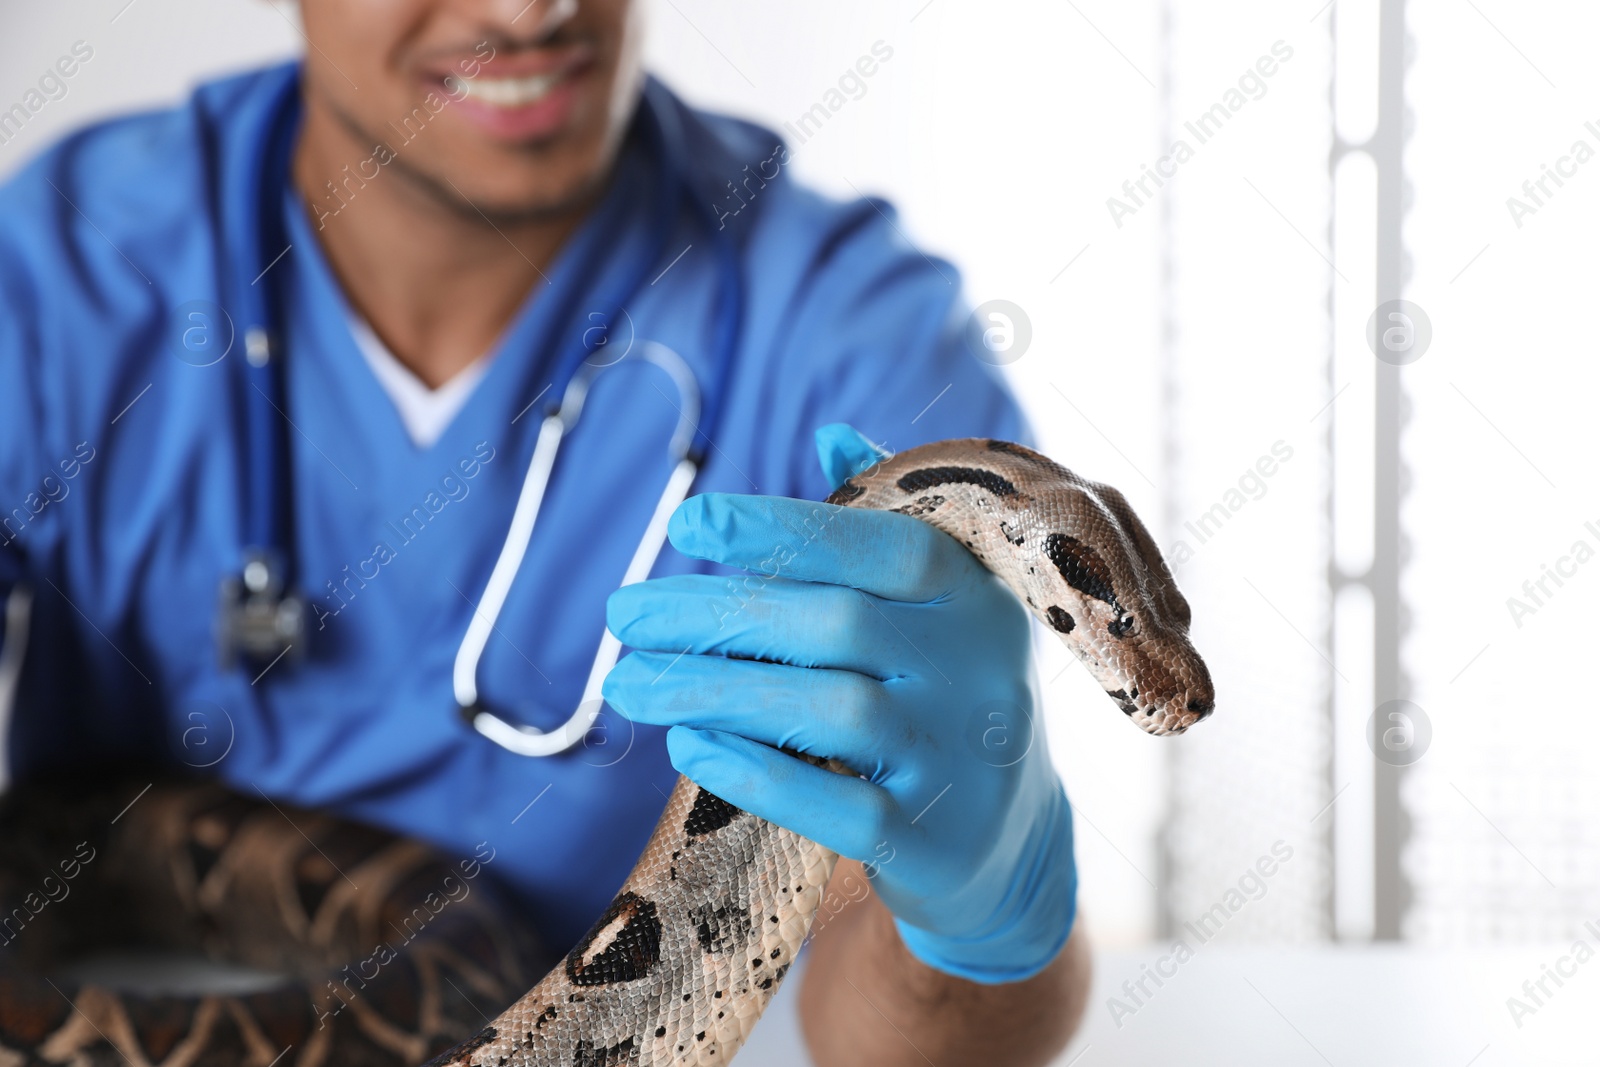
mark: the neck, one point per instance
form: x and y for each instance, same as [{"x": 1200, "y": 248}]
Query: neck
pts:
[{"x": 436, "y": 281}]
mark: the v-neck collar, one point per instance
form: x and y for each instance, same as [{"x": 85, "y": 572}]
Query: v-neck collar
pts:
[{"x": 426, "y": 412}]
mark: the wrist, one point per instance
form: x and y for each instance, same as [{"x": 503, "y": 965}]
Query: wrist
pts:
[{"x": 1030, "y": 922}]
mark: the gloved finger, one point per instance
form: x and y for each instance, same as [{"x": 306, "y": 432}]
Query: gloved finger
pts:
[
  {"x": 833, "y": 714},
  {"x": 847, "y": 814},
  {"x": 805, "y": 624},
  {"x": 845, "y": 452},
  {"x": 879, "y": 552}
]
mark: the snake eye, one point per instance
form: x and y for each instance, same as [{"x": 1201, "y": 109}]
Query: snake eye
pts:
[{"x": 1123, "y": 626}]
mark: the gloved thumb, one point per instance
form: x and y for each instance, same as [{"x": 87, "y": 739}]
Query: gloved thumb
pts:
[{"x": 845, "y": 452}]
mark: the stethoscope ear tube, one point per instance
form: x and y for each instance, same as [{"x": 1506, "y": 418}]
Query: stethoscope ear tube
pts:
[
  {"x": 528, "y": 740},
  {"x": 487, "y": 610}
]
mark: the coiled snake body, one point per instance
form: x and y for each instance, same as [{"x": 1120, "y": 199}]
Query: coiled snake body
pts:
[{"x": 679, "y": 967}]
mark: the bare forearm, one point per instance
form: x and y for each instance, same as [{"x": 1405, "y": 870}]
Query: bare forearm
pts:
[{"x": 868, "y": 1001}]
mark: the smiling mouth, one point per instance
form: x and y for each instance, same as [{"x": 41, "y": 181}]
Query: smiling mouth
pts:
[{"x": 513, "y": 92}]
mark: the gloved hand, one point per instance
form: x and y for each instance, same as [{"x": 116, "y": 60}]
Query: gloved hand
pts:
[{"x": 875, "y": 639}]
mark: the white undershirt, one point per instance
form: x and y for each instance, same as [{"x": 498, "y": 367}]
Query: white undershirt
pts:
[{"x": 426, "y": 413}]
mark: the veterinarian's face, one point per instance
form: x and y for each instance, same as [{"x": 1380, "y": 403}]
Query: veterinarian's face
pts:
[{"x": 515, "y": 106}]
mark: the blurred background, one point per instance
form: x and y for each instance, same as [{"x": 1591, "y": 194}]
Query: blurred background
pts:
[{"x": 1310, "y": 280}]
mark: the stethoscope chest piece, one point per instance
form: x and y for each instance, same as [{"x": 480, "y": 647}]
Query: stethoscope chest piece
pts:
[{"x": 258, "y": 620}]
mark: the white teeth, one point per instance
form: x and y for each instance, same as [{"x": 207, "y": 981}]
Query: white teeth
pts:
[{"x": 512, "y": 92}]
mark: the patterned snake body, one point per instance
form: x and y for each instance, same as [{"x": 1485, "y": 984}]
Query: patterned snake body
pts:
[{"x": 681, "y": 965}]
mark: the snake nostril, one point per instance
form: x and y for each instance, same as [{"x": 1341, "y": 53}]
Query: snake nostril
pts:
[{"x": 1203, "y": 708}]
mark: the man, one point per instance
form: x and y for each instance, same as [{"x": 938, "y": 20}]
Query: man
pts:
[{"x": 469, "y": 185}]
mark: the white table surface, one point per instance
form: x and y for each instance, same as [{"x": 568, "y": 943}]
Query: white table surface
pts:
[
  {"x": 1318, "y": 1007},
  {"x": 1238, "y": 1007}
]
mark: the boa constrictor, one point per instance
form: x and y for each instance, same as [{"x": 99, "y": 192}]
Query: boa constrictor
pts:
[{"x": 678, "y": 968}]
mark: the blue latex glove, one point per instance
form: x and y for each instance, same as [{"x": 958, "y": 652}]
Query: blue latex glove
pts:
[{"x": 875, "y": 639}]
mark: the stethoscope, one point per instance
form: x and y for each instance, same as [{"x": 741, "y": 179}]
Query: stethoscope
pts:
[
  {"x": 528, "y": 740},
  {"x": 263, "y": 619}
]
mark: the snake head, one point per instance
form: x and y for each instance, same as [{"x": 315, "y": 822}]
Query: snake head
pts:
[
  {"x": 1073, "y": 551},
  {"x": 1130, "y": 625}
]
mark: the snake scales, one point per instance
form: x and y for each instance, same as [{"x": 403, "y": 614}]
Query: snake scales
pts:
[{"x": 411, "y": 965}]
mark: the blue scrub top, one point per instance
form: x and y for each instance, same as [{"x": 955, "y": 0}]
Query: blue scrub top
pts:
[{"x": 122, "y": 481}]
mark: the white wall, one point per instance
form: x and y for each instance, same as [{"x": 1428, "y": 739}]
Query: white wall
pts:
[{"x": 145, "y": 53}]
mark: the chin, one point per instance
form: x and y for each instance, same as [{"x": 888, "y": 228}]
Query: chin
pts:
[
  {"x": 526, "y": 179},
  {"x": 521, "y": 193},
  {"x": 508, "y": 183}
]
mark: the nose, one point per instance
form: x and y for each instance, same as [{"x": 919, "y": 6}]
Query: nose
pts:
[{"x": 1203, "y": 708}]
